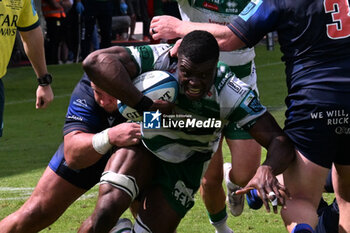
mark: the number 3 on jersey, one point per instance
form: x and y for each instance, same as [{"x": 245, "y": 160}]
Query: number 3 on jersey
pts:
[{"x": 341, "y": 17}]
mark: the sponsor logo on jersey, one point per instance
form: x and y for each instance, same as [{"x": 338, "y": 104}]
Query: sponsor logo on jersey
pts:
[
  {"x": 217, "y": 22},
  {"x": 252, "y": 102},
  {"x": 8, "y": 25},
  {"x": 250, "y": 9},
  {"x": 234, "y": 86},
  {"x": 111, "y": 120},
  {"x": 342, "y": 130},
  {"x": 339, "y": 118},
  {"x": 220, "y": 72},
  {"x": 8, "y": 31},
  {"x": 74, "y": 117},
  {"x": 80, "y": 102},
  {"x": 183, "y": 194},
  {"x": 210, "y": 6},
  {"x": 133, "y": 115},
  {"x": 232, "y": 7}
]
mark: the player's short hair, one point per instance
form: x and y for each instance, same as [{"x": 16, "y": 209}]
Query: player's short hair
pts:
[{"x": 199, "y": 46}]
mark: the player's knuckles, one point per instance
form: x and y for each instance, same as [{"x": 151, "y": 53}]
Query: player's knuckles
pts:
[{"x": 136, "y": 127}]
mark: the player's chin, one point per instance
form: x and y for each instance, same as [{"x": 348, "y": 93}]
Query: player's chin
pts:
[{"x": 110, "y": 108}]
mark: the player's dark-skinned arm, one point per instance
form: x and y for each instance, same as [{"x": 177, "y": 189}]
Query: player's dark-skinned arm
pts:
[
  {"x": 112, "y": 70},
  {"x": 280, "y": 154}
]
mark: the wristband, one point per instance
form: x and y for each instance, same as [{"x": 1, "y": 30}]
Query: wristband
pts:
[
  {"x": 144, "y": 104},
  {"x": 100, "y": 142}
]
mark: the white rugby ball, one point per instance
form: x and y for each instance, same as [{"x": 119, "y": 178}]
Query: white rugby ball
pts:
[{"x": 157, "y": 85}]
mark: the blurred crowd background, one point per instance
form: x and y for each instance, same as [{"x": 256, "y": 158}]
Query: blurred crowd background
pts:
[{"x": 75, "y": 28}]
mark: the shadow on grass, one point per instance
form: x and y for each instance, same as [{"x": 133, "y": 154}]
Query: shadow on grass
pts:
[{"x": 31, "y": 136}]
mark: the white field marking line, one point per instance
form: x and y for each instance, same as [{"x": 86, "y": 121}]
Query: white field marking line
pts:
[
  {"x": 9, "y": 189},
  {"x": 33, "y": 100},
  {"x": 23, "y": 193}
]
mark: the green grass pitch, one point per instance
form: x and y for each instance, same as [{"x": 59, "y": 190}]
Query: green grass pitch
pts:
[{"x": 32, "y": 136}]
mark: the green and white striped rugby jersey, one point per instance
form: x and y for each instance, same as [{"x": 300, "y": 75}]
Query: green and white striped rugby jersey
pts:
[
  {"x": 221, "y": 12},
  {"x": 194, "y": 130}
]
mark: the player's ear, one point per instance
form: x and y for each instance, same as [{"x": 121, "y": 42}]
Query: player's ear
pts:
[{"x": 173, "y": 51}]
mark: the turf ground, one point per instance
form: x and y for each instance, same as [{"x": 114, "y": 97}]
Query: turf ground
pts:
[{"x": 32, "y": 136}]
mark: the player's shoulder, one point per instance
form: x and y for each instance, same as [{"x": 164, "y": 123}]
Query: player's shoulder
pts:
[
  {"x": 152, "y": 57},
  {"x": 83, "y": 95},
  {"x": 228, "y": 86},
  {"x": 83, "y": 87},
  {"x": 223, "y": 73},
  {"x": 83, "y": 112},
  {"x": 149, "y": 49}
]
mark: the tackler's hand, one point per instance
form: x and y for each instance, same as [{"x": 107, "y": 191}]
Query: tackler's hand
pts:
[
  {"x": 269, "y": 188},
  {"x": 125, "y": 134}
]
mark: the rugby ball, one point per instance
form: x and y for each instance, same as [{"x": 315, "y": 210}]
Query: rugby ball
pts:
[{"x": 157, "y": 85}]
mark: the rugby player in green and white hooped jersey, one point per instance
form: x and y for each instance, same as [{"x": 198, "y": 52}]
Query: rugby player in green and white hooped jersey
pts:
[
  {"x": 245, "y": 151},
  {"x": 228, "y": 99},
  {"x": 207, "y": 90}
]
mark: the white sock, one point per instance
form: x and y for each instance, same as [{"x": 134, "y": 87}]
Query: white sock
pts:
[{"x": 221, "y": 226}]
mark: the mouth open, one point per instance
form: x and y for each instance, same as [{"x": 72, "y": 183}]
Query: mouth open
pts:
[{"x": 194, "y": 93}]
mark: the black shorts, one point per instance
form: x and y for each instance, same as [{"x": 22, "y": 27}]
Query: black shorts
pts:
[
  {"x": 84, "y": 178},
  {"x": 317, "y": 121}
]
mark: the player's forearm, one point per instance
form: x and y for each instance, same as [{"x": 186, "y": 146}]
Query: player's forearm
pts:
[
  {"x": 280, "y": 154},
  {"x": 280, "y": 150},
  {"x": 33, "y": 43},
  {"x": 78, "y": 150},
  {"x": 227, "y": 40}
]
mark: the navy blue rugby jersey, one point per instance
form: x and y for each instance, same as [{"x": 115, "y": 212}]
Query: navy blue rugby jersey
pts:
[
  {"x": 314, "y": 36},
  {"x": 84, "y": 114}
]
